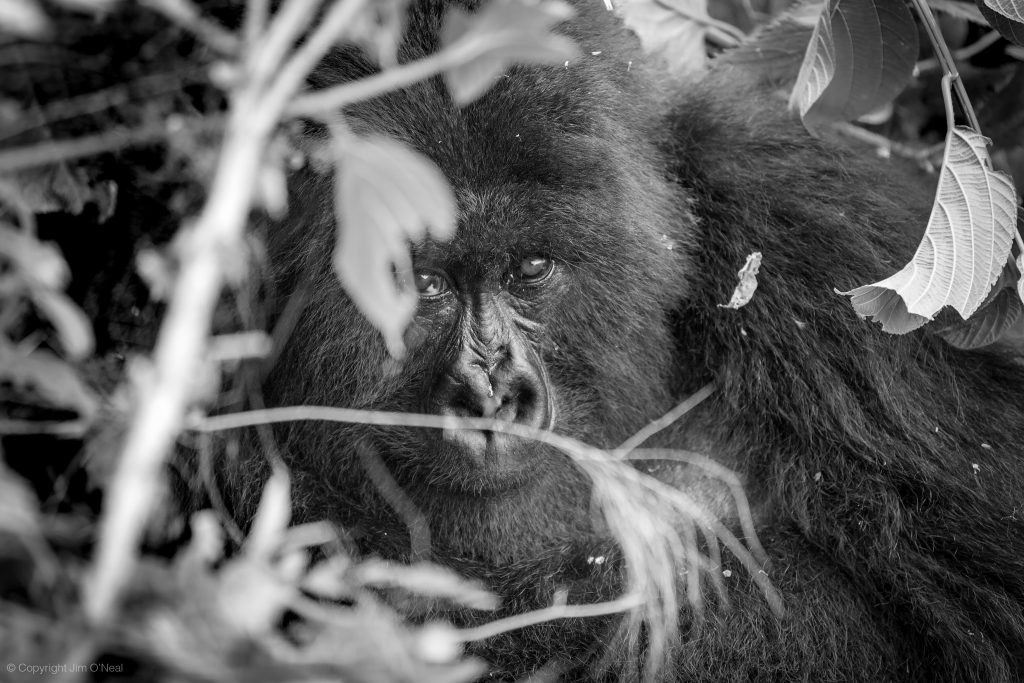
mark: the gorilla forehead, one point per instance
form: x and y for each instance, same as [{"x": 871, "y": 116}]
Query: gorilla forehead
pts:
[{"x": 530, "y": 165}]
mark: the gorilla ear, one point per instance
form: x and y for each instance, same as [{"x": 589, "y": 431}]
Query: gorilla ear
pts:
[{"x": 386, "y": 195}]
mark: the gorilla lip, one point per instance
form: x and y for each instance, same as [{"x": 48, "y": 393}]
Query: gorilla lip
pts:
[{"x": 489, "y": 451}]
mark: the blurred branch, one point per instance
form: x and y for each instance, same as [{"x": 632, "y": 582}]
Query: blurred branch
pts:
[
  {"x": 556, "y": 611},
  {"x": 51, "y": 152},
  {"x": 329, "y": 100},
  {"x": 961, "y": 54},
  {"x": 187, "y": 15},
  {"x": 921, "y": 154},
  {"x": 165, "y": 389}
]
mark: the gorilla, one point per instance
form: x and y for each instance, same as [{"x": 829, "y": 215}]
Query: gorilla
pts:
[{"x": 603, "y": 212}]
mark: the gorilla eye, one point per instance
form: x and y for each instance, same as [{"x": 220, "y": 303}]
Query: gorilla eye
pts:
[
  {"x": 533, "y": 269},
  {"x": 430, "y": 283}
]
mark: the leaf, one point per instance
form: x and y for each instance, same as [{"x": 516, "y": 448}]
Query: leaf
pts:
[
  {"x": 19, "y": 507},
  {"x": 964, "y": 248},
  {"x": 987, "y": 325},
  {"x": 40, "y": 263},
  {"x": 503, "y": 33},
  {"x": 72, "y": 327},
  {"x": 328, "y": 579},
  {"x": 1011, "y": 9},
  {"x": 23, "y": 18},
  {"x": 747, "y": 284},
  {"x": 377, "y": 28},
  {"x": 386, "y": 195},
  {"x": 251, "y": 597},
  {"x": 48, "y": 381},
  {"x": 41, "y": 271},
  {"x": 861, "y": 55},
  {"x": 672, "y": 30},
  {"x": 1006, "y": 17},
  {"x": 775, "y": 51}
]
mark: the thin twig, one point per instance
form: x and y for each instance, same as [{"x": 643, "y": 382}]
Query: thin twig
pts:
[
  {"x": 945, "y": 58},
  {"x": 664, "y": 421},
  {"x": 961, "y": 54},
  {"x": 918, "y": 154},
  {"x": 255, "y": 21},
  {"x": 53, "y": 151},
  {"x": 329, "y": 100},
  {"x": 267, "y": 54},
  {"x": 518, "y": 621},
  {"x": 187, "y": 15},
  {"x": 101, "y": 100}
]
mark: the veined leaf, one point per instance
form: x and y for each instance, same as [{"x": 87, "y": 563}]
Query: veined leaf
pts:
[
  {"x": 987, "y": 325},
  {"x": 964, "y": 248},
  {"x": 861, "y": 55},
  {"x": 1005, "y": 16}
]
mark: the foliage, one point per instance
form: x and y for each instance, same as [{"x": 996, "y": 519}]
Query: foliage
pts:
[{"x": 217, "y": 91}]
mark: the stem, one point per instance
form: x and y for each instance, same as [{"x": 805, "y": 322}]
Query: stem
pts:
[
  {"x": 330, "y": 100},
  {"x": 518, "y": 621},
  {"x": 178, "y": 358},
  {"x": 255, "y": 20},
  {"x": 289, "y": 21},
  {"x": 947, "y": 62},
  {"x": 20, "y": 158},
  {"x": 664, "y": 421},
  {"x": 185, "y": 14},
  {"x": 292, "y": 75}
]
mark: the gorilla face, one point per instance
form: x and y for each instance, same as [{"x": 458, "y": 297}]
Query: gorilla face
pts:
[{"x": 549, "y": 308}]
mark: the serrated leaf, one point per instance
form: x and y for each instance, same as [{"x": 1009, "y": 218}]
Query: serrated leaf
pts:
[
  {"x": 861, "y": 55},
  {"x": 987, "y": 325},
  {"x": 503, "y": 33},
  {"x": 1004, "y": 17},
  {"x": 1011, "y": 9},
  {"x": 386, "y": 196},
  {"x": 964, "y": 248},
  {"x": 671, "y": 30}
]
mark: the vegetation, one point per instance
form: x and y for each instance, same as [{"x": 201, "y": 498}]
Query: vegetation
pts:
[{"x": 197, "y": 109}]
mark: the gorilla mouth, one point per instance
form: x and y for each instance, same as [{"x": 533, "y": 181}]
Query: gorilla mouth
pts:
[{"x": 495, "y": 457}]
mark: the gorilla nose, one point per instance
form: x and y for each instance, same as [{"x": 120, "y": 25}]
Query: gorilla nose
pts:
[{"x": 515, "y": 396}]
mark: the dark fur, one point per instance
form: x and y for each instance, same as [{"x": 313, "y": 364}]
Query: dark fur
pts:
[{"x": 898, "y": 559}]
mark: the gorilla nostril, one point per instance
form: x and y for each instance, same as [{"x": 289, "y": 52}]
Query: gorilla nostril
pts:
[{"x": 510, "y": 399}]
